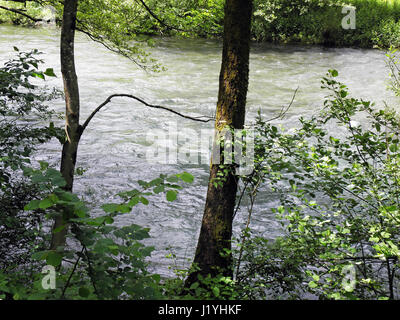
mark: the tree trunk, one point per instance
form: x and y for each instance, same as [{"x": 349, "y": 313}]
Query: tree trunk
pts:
[
  {"x": 216, "y": 230},
  {"x": 72, "y": 127}
]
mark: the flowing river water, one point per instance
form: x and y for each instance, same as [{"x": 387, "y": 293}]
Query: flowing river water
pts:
[{"x": 115, "y": 148}]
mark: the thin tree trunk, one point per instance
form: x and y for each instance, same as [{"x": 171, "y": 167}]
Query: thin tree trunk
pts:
[
  {"x": 72, "y": 127},
  {"x": 216, "y": 230}
]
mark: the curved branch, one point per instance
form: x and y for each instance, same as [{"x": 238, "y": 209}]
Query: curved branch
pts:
[
  {"x": 21, "y": 13},
  {"x": 158, "y": 19},
  {"x": 107, "y": 46},
  {"x": 108, "y": 100}
]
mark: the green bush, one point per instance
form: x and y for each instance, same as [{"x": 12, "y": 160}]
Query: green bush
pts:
[
  {"x": 100, "y": 261},
  {"x": 319, "y": 22},
  {"x": 23, "y": 114},
  {"x": 340, "y": 206}
]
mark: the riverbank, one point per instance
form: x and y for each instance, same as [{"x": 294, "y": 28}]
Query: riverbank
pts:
[{"x": 376, "y": 23}]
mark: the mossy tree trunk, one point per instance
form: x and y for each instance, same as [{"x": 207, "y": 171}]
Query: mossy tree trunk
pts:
[
  {"x": 72, "y": 127},
  {"x": 216, "y": 229}
]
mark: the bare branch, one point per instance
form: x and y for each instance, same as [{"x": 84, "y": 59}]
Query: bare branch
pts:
[
  {"x": 284, "y": 109},
  {"x": 146, "y": 104}
]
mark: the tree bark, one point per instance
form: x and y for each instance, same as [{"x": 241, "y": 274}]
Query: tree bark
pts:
[
  {"x": 72, "y": 127},
  {"x": 216, "y": 230}
]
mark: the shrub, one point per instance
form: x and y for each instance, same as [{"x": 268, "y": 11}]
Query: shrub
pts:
[
  {"x": 339, "y": 204},
  {"x": 23, "y": 112}
]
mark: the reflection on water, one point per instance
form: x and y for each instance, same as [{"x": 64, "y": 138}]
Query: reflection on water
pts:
[{"x": 190, "y": 85}]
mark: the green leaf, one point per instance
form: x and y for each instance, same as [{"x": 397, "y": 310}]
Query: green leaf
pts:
[
  {"x": 173, "y": 179},
  {"x": 216, "y": 291},
  {"x": 393, "y": 147},
  {"x": 80, "y": 210},
  {"x": 84, "y": 292},
  {"x": 186, "y": 177},
  {"x": 110, "y": 207},
  {"x": 38, "y": 75},
  {"x": 43, "y": 165},
  {"x": 50, "y": 72},
  {"x": 54, "y": 259},
  {"x": 159, "y": 189},
  {"x": 52, "y": 173},
  {"x": 124, "y": 208},
  {"x": 41, "y": 255},
  {"x": 58, "y": 182},
  {"x": 134, "y": 201},
  {"x": 108, "y": 220},
  {"x": 171, "y": 195},
  {"x": 155, "y": 182},
  {"x": 194, "y": 286},
  {"x": 33, "y": 205},
  {"x": 45, "y": 203},
  {"x": 334, "y": 73}
]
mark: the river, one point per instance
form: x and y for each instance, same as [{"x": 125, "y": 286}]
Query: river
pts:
[{"x": 114, "y": 149}]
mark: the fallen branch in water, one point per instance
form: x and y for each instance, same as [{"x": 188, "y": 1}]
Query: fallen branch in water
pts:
[{"x": 108, "y": 100}]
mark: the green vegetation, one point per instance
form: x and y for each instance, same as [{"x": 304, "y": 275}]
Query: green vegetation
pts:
[
  {"x": 339, "y": 208},
  {"x": 101, "y": 261},
  {"x": 23, "y": 116},
  {"x": 320, "y": 22},
  {"x": 338, "y": 196},
  {"x": 280, "y": 21},
  {"x": 339, "y": 204}
]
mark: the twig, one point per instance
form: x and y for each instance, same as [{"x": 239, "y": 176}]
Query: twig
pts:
[
  {"x": 252, "y": 195},
  {"x": 91, "y": 273},
  {"x": 158, "y": 19},
  {"x": 168, "y": 26},
  {"x": 284, "y": 109},
  {"x": 71, "y": 274},
  {"x": 108, "y": 47}
]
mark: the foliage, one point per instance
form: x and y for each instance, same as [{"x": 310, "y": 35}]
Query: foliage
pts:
[
  {"x": 32, "y": 8},
  {"x": 202, "y": 18},
  {"x": 103, "y": 261},
  {"x": 319, "y": 22},
  {"x": 206, "y": 287},
  {"x": 339, "y": 204},
  {"x": 22, "y": 108},
  {"x": 125, "y": 27},
  {"x": 23, "y": 114},
  {"x": 117, "y": 23}
]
